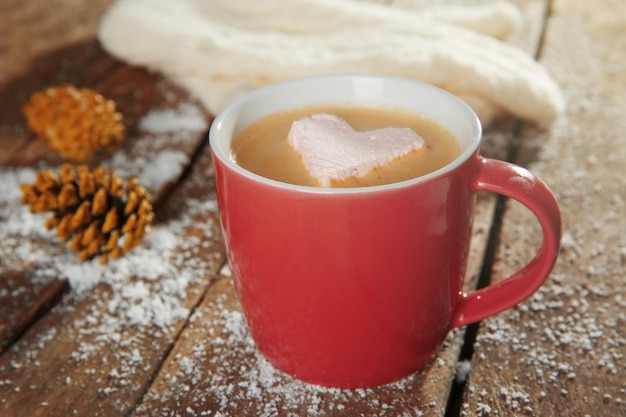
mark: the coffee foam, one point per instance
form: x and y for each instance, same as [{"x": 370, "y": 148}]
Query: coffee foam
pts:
[{"x": 332, "y": 150}]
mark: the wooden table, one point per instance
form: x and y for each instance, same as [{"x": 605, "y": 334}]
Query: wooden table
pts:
[{"x": 160, "y": 332}]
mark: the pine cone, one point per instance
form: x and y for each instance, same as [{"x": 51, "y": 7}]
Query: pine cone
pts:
[
  {"x": 80, "y": 124},
  {"x": 93, "y": 208}
]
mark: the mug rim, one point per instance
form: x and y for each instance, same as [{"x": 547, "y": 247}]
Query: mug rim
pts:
[{"x": 217, "y": 148}]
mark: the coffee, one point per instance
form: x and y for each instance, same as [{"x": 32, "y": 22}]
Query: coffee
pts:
[
  {"x": 332, "y": 280},
  {"x": 263, "y": 147}
]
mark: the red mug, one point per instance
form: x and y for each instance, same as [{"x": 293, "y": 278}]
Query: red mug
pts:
[{"x": 359, "y": 287}]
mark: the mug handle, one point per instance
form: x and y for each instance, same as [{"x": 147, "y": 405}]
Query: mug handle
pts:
[{"x": 518, "y": 183}]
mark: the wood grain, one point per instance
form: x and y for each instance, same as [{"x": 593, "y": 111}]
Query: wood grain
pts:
[
  {"x": 85, "y": 357},
  {"x": 86, "y": 64},
  {"x": 563, "y": 352},
  {"x": 31, "y": 29},
  {"x": 70, "y": 352},
  {"x": 215, "y": 368}
]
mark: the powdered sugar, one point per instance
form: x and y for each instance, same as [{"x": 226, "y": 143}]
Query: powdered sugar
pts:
[
  {"x": 187, "y": 117},
  {"x": 149, "y": 282},
  {"x": 565, "y": 348},
  {"x": 166, "y": 165},
  {"x": 112, "y": 326},
  {"x": 218, "y": 371}
]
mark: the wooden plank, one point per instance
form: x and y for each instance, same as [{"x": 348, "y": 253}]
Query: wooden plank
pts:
[
  {"x": 564, "y": 351},
  {"x": 215, "y": 368},
  {"x": 156, "y": 151},
  {"x": 29, "y": 34},
  {"x": 86, "y": 350},
  {"x": 96, "y": 351},
  {"x": 93, "y": 354},
  {"x": 31, "y": 29},
  {"x": 80, "y": 64},
  {"x": 22, "y": 303}
]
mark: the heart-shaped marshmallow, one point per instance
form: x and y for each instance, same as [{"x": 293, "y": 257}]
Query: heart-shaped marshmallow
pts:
[{"x": 332, "y": 150}]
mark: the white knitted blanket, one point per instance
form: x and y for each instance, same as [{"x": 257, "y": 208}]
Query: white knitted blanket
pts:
[{"x": 219, "y": 49}]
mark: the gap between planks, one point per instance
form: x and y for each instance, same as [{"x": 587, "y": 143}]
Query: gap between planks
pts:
[{"x": 458, "y": 388}]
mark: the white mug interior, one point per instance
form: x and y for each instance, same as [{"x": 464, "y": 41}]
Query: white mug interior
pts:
[{"x": 352, "y": 89}]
